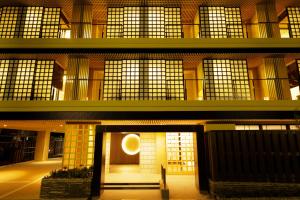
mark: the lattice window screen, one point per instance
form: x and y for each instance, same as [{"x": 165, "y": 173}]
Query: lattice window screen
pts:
[
  {"x": 180, "y": 153},
  {"x": 220, "y": 22},
  {"x": 157, "y": 80},
  {"x": 226, "y": 79},
  {"x": 144, "y": 22},
  {"x": 29, "y": 22},
  {"x": 240, "y": 79},
  {"x": 10, "y": 22},
  {"x": 148, "y": 161},
  {"x": 115, "y": 23},
  {"x": 51, "y": 23},
  {"x": 173, "y": 22},
  {"x": 112, "y": 79},
  {"x": 298, "y": 62},
  {"x": 294, "y": 21},
  {"x": 27, "y": 79},
  {"x": 23, "y": 79},
  {"x": 174, "y": 79},
  {"x": 234, "y": 24},
  {"x": 79, "y": 145},
  {"x": 4, "y": 68},
  {"x": 43, "y": 80},
  {"x": 130, "y": 80},
  {"x": 143, "y": 79}
]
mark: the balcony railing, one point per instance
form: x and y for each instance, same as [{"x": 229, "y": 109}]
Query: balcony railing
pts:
[
  {"x": 249, "y": 30},
  {"x": 191, "y": 89}
]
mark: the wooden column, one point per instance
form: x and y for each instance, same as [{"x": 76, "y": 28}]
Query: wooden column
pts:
[
  {"x": 99, "y": 162},
  {"x": 201, "y": 160}
]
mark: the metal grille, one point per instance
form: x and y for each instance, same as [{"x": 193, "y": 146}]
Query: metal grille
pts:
[
  {"x": 180, "y": 153},
  {"x": 294, "y": 21},
  {"x": 220, "y": 22},
  {"x": 143, "y": 79},
  {"x": 144, "y": 22},
  {"x": 29, "y": 22},
  {"x": 226, "y": 79}
]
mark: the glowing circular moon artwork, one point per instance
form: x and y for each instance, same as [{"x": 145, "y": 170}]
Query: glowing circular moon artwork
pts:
[{"x": 131, "y": 144}]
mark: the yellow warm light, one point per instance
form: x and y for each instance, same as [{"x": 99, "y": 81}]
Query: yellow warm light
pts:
[{"x": 131, "y": 144}]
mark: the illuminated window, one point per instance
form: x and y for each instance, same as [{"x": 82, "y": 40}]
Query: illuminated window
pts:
[
  {"x": 274, "y": 127},
  {"x": 226, "y": 79},
  {"x": 143, "y": 79},
  {"x": 220, "y": 22},
  {"x": 28, "y": 79},
  {"x": 180, "y": 153},
  {"x": 143, "y": 22},
  {"x": 294, "y": 21},
  {"x": 246, "y": 127},
  {"x": 29, "y": 22}
]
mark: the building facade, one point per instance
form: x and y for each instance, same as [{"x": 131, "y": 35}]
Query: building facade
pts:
[{"x": 69, "y": 66}]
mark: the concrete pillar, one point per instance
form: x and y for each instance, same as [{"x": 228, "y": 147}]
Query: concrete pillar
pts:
[
  {"x": 78, "y": 66},
  {"x": 215, "y": 127},
  {"x": 267, "y": 19},
  {"x": 42, "y": 146}
]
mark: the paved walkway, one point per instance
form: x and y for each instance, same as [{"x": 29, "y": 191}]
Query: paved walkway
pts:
[{"x": 22, "y": 181}]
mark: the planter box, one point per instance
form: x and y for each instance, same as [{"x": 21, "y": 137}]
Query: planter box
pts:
[
  {"x": 254, "y": 189},
  {"x": 55, "y": 188}
]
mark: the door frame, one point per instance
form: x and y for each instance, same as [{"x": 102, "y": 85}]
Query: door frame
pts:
[{"x": 200, "y": 151}]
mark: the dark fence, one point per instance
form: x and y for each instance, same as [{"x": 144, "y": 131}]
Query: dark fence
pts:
[{"x": 254, "y": 156}]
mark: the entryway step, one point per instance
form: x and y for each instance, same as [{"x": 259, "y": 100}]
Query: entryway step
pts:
[{"x": 131, "y": 186}]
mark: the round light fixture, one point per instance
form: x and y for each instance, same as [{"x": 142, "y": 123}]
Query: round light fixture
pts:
[{"x": 131, "y": 144}]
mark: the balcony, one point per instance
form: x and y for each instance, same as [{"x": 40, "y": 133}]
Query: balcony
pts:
[
  {"x": 247, "y": 30},
  {"x": 192, "y": 90}
]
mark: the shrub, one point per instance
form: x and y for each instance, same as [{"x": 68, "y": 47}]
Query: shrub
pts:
[{"x": 72, "y": 173}]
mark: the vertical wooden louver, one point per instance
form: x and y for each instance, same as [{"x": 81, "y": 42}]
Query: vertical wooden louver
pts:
[
  {"x": 267, "y": 19},
  {"x": 78, "y": 68},
  {"x": 277, "y": 83},
  {"x": 77, "y": 78},
  {"x": 82, "y": 20}
]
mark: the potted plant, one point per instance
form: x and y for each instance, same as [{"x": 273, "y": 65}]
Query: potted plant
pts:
[{"x": 67, "y": 183}]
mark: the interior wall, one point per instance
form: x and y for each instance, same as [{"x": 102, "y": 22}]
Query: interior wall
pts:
[{"x": 118, "y": 156}]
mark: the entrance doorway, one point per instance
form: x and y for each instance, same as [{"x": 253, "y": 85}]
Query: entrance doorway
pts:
[{"x": 174, "y": 147}]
